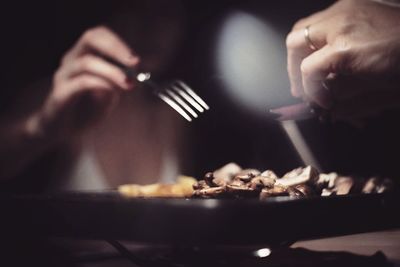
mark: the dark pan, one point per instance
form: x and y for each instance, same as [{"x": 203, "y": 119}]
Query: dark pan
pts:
[{"x": 273, "y": 222}]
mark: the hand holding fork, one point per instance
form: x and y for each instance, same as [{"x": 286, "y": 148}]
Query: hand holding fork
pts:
[{"x": 91, "y": 76}]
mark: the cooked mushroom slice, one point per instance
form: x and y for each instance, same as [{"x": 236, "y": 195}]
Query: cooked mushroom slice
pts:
[
  {"x": 326, "y": 180},
  {"x": 269, "y": 174},
  {"x": 259, "y": 182},
  {"x": 299, "y": 176},
  {"x": 213, "y": 181},
  {"x": 227, "y": 172},
  {"x": 306, "y": 190},
  {"x": 371, "y": 185},
  {"x": 237, "y": 183},
  {"x": 244, "y": 177},
  {"x": 294, "y": 192},
  {"x": 219, "y": 182},
  {"x": 277, "y": 190},
  {"x": 386, "y": 185},
  {"x": 327, "y": 192},
  {"x": 343, "y": 185},
  {"x": 247, "y": 175},
  {"x": 208, "y": 178},
  {"x": 200, "y": 185},
  {"x": 210, "y": 192}
]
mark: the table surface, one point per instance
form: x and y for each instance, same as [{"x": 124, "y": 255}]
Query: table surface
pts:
[{"x": 366, "y": 244}]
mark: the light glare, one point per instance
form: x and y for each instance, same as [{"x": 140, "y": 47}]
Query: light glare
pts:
[
  {"x": 251, "y": 62},
  {"x": 262, "y": 253}
]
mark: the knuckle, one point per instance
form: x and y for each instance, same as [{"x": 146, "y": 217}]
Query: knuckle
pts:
[
  {"x": 93, "y": 33},
  {"x": 291, "y": 41},
  {"x": 85, "y": 82},
  {"x": 305, "y": 68},
  {"x": 85, "y": 62},
  {"x": 100, "y": 29},
  {"x": 347, "y": 24},
  {"x": 342, "y": 57},
  {"x": 88, "y": 35}
]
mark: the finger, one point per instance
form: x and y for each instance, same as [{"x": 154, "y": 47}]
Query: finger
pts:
[
  {"x": 91, "y": 64},
  {"x": 86, "y": 83},
  {"x": 315, "y": 69},
  {"x": 298, "y": 48},
  {"x": 104, "y": 41}
]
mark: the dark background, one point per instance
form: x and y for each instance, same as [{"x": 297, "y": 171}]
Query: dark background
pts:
[{"x": 35, "y": 35}]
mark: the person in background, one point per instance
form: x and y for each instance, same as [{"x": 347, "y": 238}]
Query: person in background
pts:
[
  {"x": 91, "y": 116},
  {"x": 346, "y": 58}
]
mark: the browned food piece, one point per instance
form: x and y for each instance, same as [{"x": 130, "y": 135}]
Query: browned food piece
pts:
[
  {"x": 371, "y": 185},
  {"x": 210, "y": 192},
  {"x": 214, "y": 182},
  {"x": 343, "y": 185},
  {"x": 254, "y": 172},
  {"x": 237, "y": 183},
  {"x": 246, "y": 175},
  {"x": 182, "y": 188},
  {"x": 294, "y": 192},
  {"x": 200, "y": 185},
  {"x": 232, "y": 181},
  {"x": 297, "y": 176},
  {"x": 327, "y": 192},
  {"x": 219, "y": 182},
  {"x": 259, "y": 182},
  {"x": 306, "y": 190},
  {"x": 326, "y": 181},
  {"x": 377, "y": 185},
  {"x": 269, "y": 174},
  {"x": 386, "y": 185},
  {"x": 241, "y": 191},
  {"x": 227, "y": 172},
  {"x": 277, "y": 190},
  {"x": 208, "y": 178}
]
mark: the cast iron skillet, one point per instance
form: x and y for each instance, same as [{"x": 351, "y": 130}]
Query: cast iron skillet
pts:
[{"x": 273, "y": 222}]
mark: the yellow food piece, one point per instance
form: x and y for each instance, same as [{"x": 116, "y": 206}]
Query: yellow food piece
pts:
[{"x": 182, "y": 188}]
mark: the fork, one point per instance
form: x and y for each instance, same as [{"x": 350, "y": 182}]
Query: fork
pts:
[{"x": 177, "y": 94}]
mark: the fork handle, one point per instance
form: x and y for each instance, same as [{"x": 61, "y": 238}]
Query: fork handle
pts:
[{"x": 129, "y": 72}]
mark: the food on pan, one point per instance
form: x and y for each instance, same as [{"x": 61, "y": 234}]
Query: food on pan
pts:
[
  {"x": 231, "y": 181},
  {"x": 182, "y": 188}
]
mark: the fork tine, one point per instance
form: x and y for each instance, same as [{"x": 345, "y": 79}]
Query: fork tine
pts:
[
  {"x": 173, "y": 105},
  {"x": 193, "y": 94},
  {"x": 188, "y": 98},
  {"x": 181, "y": 102}
]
